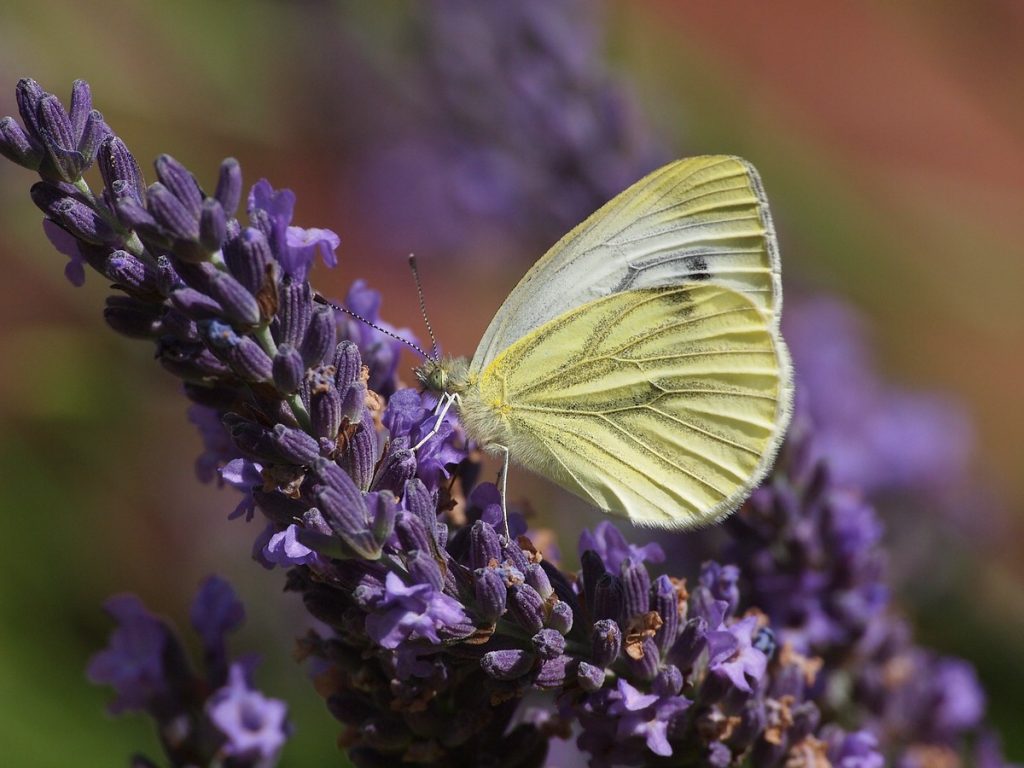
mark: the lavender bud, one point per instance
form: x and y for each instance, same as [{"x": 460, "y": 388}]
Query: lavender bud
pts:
[
  {"x": 313, "y": 520},
  {"x": 81, "y": 106},
  {"x": 646, "y": 666},
  {"x": 422, "y": 503},
  {"x": 17, "y": 146},
  {"x": 171, "y": 214},
  {"x": 348, "y": 517},
  {"x": 133, "y": 318},
  {"x": 590, "y": 677},
  {"x": 295, "y": 299},
  {"x": 606, "y": 641},
  {"x": 692, "y": 641},
  {"x": 131, "y": 273},
  {"x": 229, "y": 186},
  {"x": 412, "y": 534},
  {"x": 28, "y": 94},
  {"x": 294, "y": 445},
  {"x": 353, "y": 402},
  {"x": 321, "y": 336},
  {"x": 553, "y": 672},
  {"x": 96, "y": 130},
  {"x": 247, "y": 256},
  {"x": 548, "y": 644},
  {"x": 383, "y": 510},
  {"x": 251, "y": 439},
  {"x": 666, "y": 603},
  {"x": 512, "y": 552},
  {"x": 59, "y": 140},
  {"x": 134, "y": 216},
  {"x": 325, "y": 411},
  {"x": 526, "y": 607},
  {"x": 668, "y": 681},
  {"x": 182, "y": 184},
  {"x": 560, "y": 618},
  {"x": 287, "y": 369},
  {"x": 484, "y": 546},
  {"x": 176, "y": 325},
  {"x": 118, "y": 165},
  {"x": 347, "y": 364},
  {"x": 491, "y": 594},
  {"x": 71, "y": 214},
  {"x": 399, "y": 467},
  {"x": 192, "y": 362},
  {"x": 608, "y": 598},
  {"x": 538, "y": 579},
  {"x": 195, "y": 305},
  {"x": 424, "y": 569},
  {"x": 239, "y": 305},
  {"x": 213, "y": 225},
  {"x": 244, "y": 355},
  {"x": 360, "y": 453},
  {"x": 752, "y": 724},
  {"x": 249, "y": 360},
  {"x": 636, "y": 589},
  {"x": 508, "y": 664}
]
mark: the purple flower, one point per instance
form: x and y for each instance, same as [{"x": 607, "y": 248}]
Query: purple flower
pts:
[
  {"x": 733, "y": 657},
  {"x": 608, "y": 542},
  {"x": 217, "y": 446},
  {"x": 254, "y": 725},
  {"x": 416, "y": 612},
  {"x": 484, "y": 504},
  {"x": 295, "y": 248},
  {"x": 68, "y": 245},
  {"x": 133, "y": 662},
  {"x": 216, "y": 611},
  {"x": 283, "y": 548},
  {"x": 959, "y": 700},
  {"x": 852, "y": 750},
  {"x": 245, "y": 476},
  {"x": 646, "y": 716},
  {"x": 409, "y": 414},
  {"x": 380, "y": 352}
]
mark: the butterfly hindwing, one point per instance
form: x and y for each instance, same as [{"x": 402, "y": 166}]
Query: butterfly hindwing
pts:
[{"x": 662, "y": 404}]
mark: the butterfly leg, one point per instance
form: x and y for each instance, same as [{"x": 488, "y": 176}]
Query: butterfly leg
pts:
[
  {"x": 504, "y": 490},
  {"x": 447, "y": 399}
]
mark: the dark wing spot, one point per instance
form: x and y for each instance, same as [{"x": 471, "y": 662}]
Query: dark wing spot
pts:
[{"x": 698, "y": 268}]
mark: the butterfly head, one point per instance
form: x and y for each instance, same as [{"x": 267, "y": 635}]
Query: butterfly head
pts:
[{"x": 445, "y": 374}]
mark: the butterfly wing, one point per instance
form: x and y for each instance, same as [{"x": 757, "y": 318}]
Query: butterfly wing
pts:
[
  {"x": 702, "y": 219},
  {"x": 665, "y": 405}
]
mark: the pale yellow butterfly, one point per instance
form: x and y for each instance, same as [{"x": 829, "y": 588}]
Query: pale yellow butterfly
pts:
[{"x": 639, "y": 363}]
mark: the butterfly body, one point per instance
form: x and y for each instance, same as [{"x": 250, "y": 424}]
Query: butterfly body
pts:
[{"x": 639, "y": 363}]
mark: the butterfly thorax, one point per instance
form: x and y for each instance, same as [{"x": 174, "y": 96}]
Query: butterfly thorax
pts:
[
  {"x": 444, "y": 375},
  {"x": 483, "y": 414}
]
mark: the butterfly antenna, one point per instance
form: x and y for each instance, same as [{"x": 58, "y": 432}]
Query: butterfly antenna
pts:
[
  {"x": 321, "y": 300},
  {"x": 423, "y": 305}
]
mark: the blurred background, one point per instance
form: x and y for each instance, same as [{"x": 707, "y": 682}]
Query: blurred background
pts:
[{"x": 890, "y": 138}]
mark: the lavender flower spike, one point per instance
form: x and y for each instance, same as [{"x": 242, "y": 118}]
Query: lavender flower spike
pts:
[{"x": 433, "y": 628}]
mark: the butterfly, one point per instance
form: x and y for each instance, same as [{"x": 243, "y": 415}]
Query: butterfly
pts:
[{"x": 639, "y": 364}]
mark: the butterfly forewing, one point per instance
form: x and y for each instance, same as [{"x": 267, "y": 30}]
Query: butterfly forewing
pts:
[
  {"x": 662, "y": 404},
  {"x": 702, "y": 219}
]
